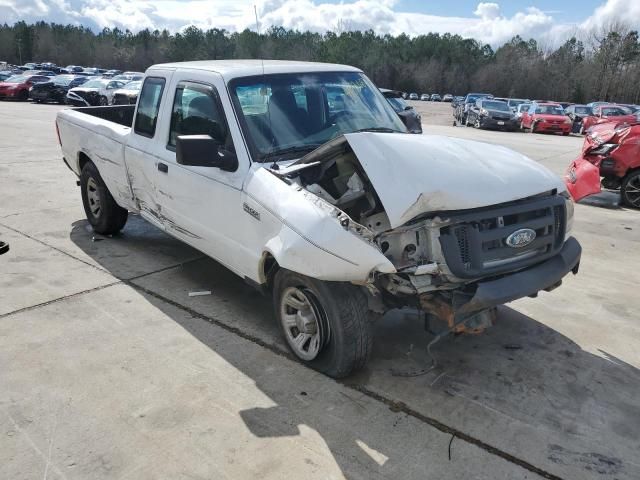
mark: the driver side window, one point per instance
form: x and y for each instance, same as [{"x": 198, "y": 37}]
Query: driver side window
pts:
[{"x": 197, "y": 111}]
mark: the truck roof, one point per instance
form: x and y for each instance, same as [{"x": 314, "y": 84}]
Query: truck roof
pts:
[{"x": 243, "y": 68}]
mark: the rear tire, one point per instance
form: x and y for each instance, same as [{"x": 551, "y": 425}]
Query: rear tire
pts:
[
  {"x": 341, "y": 340},
  {"x": 23, "y": 96},
  {"x": 103, "y": 213},
  {"x": 630, "y": 190}
]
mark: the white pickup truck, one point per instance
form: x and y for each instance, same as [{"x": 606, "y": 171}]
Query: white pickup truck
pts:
[{"x": 300, "y": 178}]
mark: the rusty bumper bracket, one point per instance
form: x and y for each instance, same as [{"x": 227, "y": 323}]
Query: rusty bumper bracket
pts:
[{"x": 463, "y": 312}]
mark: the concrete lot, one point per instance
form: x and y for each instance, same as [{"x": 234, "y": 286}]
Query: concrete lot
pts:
[{"x": 108, "y": 369}]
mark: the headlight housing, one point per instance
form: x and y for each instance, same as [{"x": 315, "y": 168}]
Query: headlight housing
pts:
[
  {"x": 603, "y": 149},
  {"x": 569, "y": 208}
]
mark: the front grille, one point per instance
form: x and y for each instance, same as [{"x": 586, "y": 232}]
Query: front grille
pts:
[{"x": 475, "y": 244}]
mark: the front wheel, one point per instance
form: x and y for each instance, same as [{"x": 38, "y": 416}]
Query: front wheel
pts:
[
  {"x": 630, "y": 190},
  {"x": 104, "y": 214},
  {"x": 325, "y": 324},
  {"x": 477, "y": 124}
]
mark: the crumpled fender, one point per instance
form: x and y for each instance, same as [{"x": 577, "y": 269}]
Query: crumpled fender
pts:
[
  {"x": 582, "y": 178},
  {"x": 304, "y": 233}
]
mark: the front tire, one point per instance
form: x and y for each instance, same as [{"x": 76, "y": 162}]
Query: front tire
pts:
[
  {"x": 325, "y": 324},
  {"x": 630, "y": 190},
  {"x": 104, "y": 214}
]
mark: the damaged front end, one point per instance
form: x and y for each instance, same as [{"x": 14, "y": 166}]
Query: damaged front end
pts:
[{"x": 456, "y": 265}]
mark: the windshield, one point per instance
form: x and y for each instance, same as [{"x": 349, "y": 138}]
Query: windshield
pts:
[
  {"x": 304, "y": 110},
  {"x": 501, "y": 106},
  {"x": 63, "y": 80},
  {"x": 615, "y": 112},
  {"x": 137, "y": 85},
  {"x": 95, "y": 84},
  {"x": 16, "y": 79},
  {"x": 397, "y": 103},
  {"x": 515, "y": 103},
  {"x": 550, "y": 110}
]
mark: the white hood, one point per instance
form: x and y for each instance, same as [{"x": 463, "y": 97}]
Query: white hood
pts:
[{"x": 415, "y": 174}]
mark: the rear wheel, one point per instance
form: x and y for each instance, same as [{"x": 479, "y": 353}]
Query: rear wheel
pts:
[
  {"x": 325, "y": 324},
  {"x": 104, "y": 214},
  {"x": 630, "y": 190},
  {"x": 23, "y": 96}
]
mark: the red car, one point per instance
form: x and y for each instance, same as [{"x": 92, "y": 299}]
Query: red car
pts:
[
  {"x": 17, "y": 87},
  {"x": 611, "y": 152},
  {"x": 546, "y": 117},
  {"x": 608, "y": 113}
]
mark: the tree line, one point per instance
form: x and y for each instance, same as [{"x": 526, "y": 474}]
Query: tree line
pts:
[{"x": 605, "y": 66}]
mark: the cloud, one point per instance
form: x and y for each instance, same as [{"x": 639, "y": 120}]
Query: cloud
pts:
[{"x": 486, "y": 23}]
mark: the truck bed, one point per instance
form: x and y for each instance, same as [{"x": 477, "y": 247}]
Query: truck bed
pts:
[{"x": 120, "y": 114}]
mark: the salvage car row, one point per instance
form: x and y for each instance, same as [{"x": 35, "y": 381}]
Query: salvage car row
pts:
[
  {"x": 81, "y": 87},
  {"x": 483, "y": 110}
]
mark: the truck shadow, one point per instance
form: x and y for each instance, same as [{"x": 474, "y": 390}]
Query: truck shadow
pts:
[{"x": 520, "y": 376}]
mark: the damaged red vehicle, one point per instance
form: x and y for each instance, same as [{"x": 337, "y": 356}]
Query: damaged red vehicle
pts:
[
  {"x": 608, "y": 113},
  {"x": 546, "y": 117},
  {"x": 610, "y": 159}
]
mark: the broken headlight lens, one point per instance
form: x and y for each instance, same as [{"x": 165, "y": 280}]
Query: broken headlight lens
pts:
[{"x": 603, "y": 149}]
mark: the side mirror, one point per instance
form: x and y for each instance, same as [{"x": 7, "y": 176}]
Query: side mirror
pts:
[
  {"x": 204, "y": 151},
  {"x": 408, "y": 107}
]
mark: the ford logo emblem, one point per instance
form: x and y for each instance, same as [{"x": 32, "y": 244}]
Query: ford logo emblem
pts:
[{"x": 521, "y": 238}]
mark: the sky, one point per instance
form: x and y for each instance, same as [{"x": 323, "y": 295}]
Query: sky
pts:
[{"x": 493, "y": 22}]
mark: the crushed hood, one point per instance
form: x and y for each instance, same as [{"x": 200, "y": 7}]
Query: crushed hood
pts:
[{"x": 417, "y": 174}]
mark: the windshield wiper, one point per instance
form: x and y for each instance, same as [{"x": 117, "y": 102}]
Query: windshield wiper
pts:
[
  {"x": 377, "y": 129},
  {"x": 288, "y": 151}
]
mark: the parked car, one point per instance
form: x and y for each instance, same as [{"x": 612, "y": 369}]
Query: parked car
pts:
[
  {"x": 5, "y": 74},
  {"x": 335, "y": 211},
  {"x": 129, "y": 76},
  {"x": 46, "y": 73},
  {"x": 111, "y": 73},
  {"x": 73, "y": 68},
  {"x": 96, "y": 91},
  {"x": 564, "y": 105},
  {"x": 610, "y": 159},
  {"x": 55, "y": 90},
  {"x": 425, "y": 97},
  {"x": 413, "y": 96},
  {"x": 607, "y": 113},
  {"x": 491, "y": 113},
  {"x": 17, "y": 87},
  {"x": 447, "y": 98},
  {"x": 577, "y": 113},
  {"x": 546, "y": 118},
  {"x": 436, "y": 97},
  {"x": 523, "y": 107},
  {"x": 456, "y": 101},
  {"x": 411, "y": 119},
  {"x": 514, "y": 102},
  {"x": 462, "y": 108},
  {"x": 128, "y": 94}
]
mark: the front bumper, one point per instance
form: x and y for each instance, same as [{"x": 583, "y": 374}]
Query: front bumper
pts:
[
  {"x": 503, "y": 124},
  {"x": 545, "y": 127},
  {"x": 528, "y": 282},
  {"x": 582, "y": 178}
]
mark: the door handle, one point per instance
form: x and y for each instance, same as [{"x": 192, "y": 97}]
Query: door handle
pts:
[{"x": 163, "y": 167}]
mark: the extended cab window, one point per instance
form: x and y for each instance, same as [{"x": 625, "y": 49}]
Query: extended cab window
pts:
[
  {"x": 148, "y": 106},
  {"x": 197, "y": 111}
]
